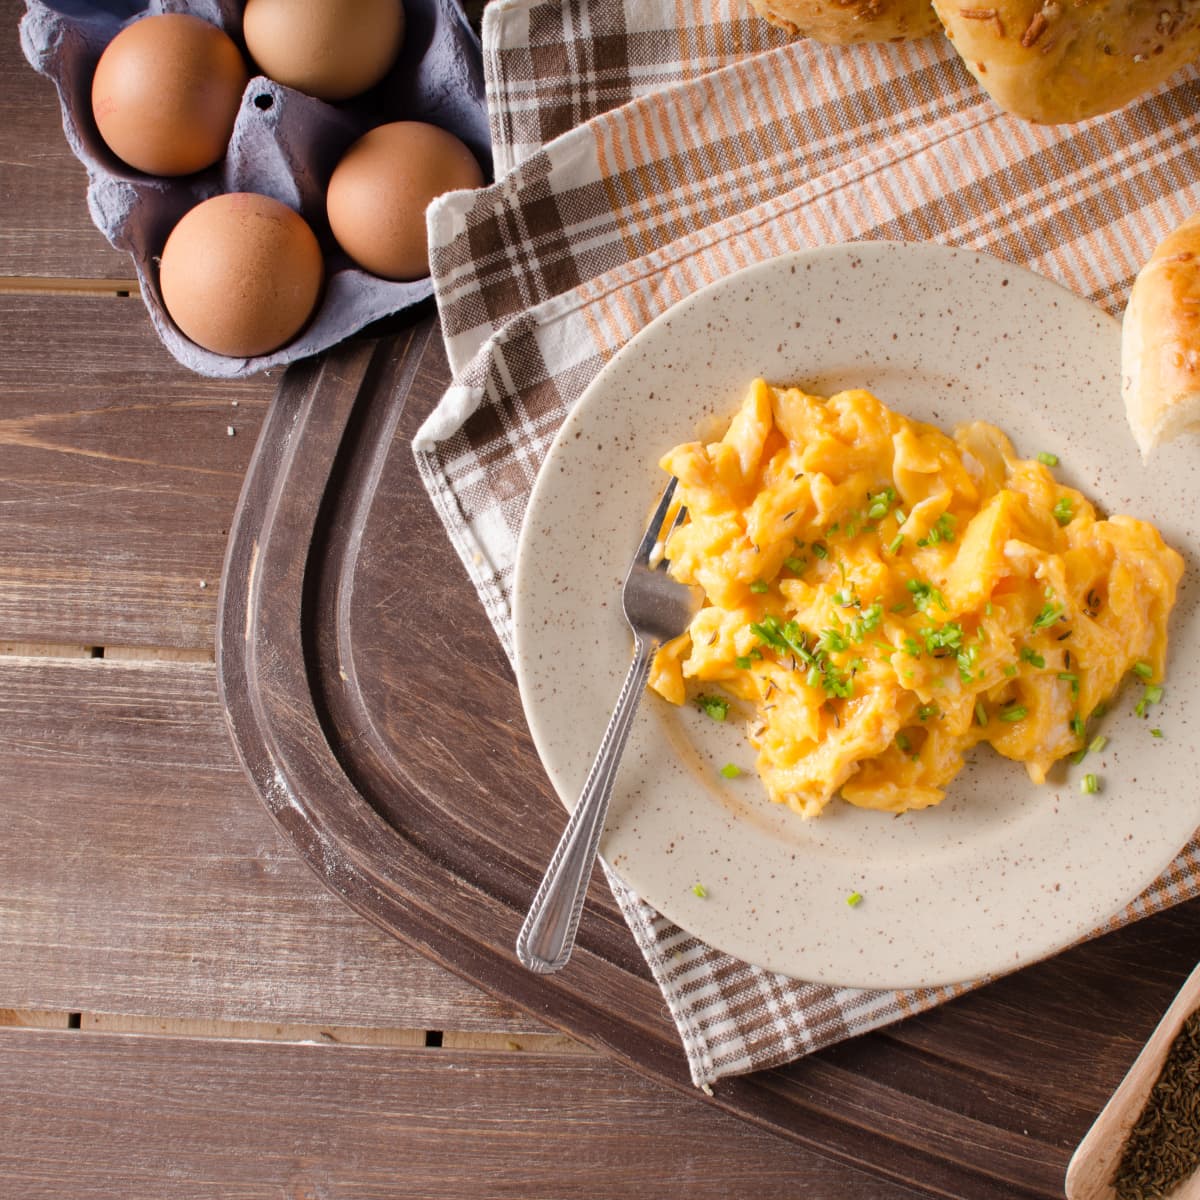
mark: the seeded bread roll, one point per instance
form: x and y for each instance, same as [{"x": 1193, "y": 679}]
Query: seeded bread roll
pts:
[
  {"x": 1160, "y": 341},
  {"x": 1053, "y": 61},
  {"x": 842, "y": 22}
]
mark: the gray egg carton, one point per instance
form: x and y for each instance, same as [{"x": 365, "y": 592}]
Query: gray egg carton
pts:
[{"x": 284, "y": 144}]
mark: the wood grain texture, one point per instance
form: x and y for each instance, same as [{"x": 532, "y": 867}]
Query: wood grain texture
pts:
[
  {"x": 118, "y": 476},
  {"x": 433, "y": 816},
  {"x": 45, "y": 230},
  {"x": 96, "y": 1116},
  {"x": 139, "y": 873}
]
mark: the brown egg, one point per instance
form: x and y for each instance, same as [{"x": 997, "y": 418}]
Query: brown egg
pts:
[
  {"x": 380, "y": 189},
  {"x": 241, "y": 274},
  {"x": 333, "y": 50},
  {"x": 166, "y": 93}
]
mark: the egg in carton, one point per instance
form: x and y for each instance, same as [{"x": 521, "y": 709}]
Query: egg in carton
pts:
[{"x": 285, "y": 145}]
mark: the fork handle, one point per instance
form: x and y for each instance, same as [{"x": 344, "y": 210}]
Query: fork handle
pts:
[{"x": 548, "y": 935}]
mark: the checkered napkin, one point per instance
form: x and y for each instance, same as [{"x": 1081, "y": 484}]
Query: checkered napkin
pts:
[{"x": 645, "y": 149}]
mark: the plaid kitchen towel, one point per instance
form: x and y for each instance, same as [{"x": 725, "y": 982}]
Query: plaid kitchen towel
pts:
[{"x": 645, "y": 149}]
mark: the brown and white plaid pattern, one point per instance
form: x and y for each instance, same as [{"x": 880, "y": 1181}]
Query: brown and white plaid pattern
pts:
[{"x": 685, "y": 143}]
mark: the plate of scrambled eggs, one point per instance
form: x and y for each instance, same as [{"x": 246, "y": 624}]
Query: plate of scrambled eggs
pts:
[{"x": 929, "y": 721}]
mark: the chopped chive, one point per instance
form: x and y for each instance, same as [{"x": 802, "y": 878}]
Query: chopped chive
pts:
[
  {"x": 715, "y": 706},
  {"x": 1012, "y": 715},
  {"x": 981, "y": 717},
  {"x": 1064, "y": 510},
  {"x": 1079, "y": 755},
  {"x": 1152, "y": 695},
  {"x": 731, "y": 771},
  {"x": 1156, "y": 733},
  {"x": 1143, "y": 670},
  {"x": 796, "y": 565},
  {"x": 1048, "y": 615},
  {"x": 1032, "y": 656},
  {"x": 1047, "y": 459},
  {"x": 743, "y": 662},
  {"x": 895, "y": 544},
  {"x": 759, "y": 586},
  {"x": 854, "y": 899},
  {"x": 1078, "y": 725},
  {"x": 926, "y": 711},
  {"x": 700, "y": 890},
  {"x": 819, "y": 550},
  {"x": 1089, "y": 785},
  {"x": 903, "y": 742},
  {"x": 881, "y": 504},
  {"x": 1071, "y": 678},
  {"x": 1010, "y": 669},
  {"x": 1098, "y": 743}
]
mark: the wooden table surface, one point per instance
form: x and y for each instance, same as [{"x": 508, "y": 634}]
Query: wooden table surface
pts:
[{"x": 185, "y": 1009}]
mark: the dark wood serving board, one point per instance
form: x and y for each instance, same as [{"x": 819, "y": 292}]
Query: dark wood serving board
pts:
[{"x": 379, "y": 720}]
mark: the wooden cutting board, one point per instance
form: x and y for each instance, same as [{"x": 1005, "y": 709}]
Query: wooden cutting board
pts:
[{"x": 377, "y": 716}]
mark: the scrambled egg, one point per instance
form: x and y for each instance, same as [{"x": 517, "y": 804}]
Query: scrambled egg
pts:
[{"x": 886, "y": 597}]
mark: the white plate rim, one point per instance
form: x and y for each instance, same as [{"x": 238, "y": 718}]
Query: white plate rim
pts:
[{"x": 873, "y": 958}]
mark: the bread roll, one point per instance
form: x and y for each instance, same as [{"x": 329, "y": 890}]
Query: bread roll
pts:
[
  {"x": 1053, "y": 61},
  {"x": 1160, "y": 341},
  {"x": 842, "y": 22}
]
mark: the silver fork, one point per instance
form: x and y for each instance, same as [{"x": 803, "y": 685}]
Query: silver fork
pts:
[{"x": 657, "y": 609}]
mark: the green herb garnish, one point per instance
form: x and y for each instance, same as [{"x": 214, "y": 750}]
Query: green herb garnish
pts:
[
  {"x": 715, "y": 706},
  {"x": 942, "y": 530},
  {"x": 731, "y": 771},
  {"x": 1089, "y": 785},
  {"x": 880, "y": 504},
  {"x": 1047, "y": 459},
  {"x": 925, "y": 594},
  {"x": 1047, "y": 616}
]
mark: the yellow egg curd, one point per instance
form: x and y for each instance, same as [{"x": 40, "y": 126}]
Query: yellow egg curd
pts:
[{"x": 886, "y": 596}]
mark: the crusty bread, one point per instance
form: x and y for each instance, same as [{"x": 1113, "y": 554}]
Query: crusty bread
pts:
[
  {"x": 1053, "y": 61},
  {"x": 1160, "y": 341},
  {"x": 842, "y": 22}
]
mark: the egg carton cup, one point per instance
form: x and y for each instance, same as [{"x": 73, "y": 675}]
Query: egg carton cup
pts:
[{"x": 285, "y": 144}]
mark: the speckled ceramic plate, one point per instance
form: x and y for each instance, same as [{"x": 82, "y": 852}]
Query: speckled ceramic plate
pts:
[{"x": 1002, "y": 872}]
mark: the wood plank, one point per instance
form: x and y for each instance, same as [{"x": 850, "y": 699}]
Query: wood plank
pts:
[
  {"x": 259, "y": 1031},
  {"x": 94, "y": 1115},
  {"x": 45, "y": 229},
  {"x": 118, "y": 477},
  {"x": 121, "y": 784}
]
